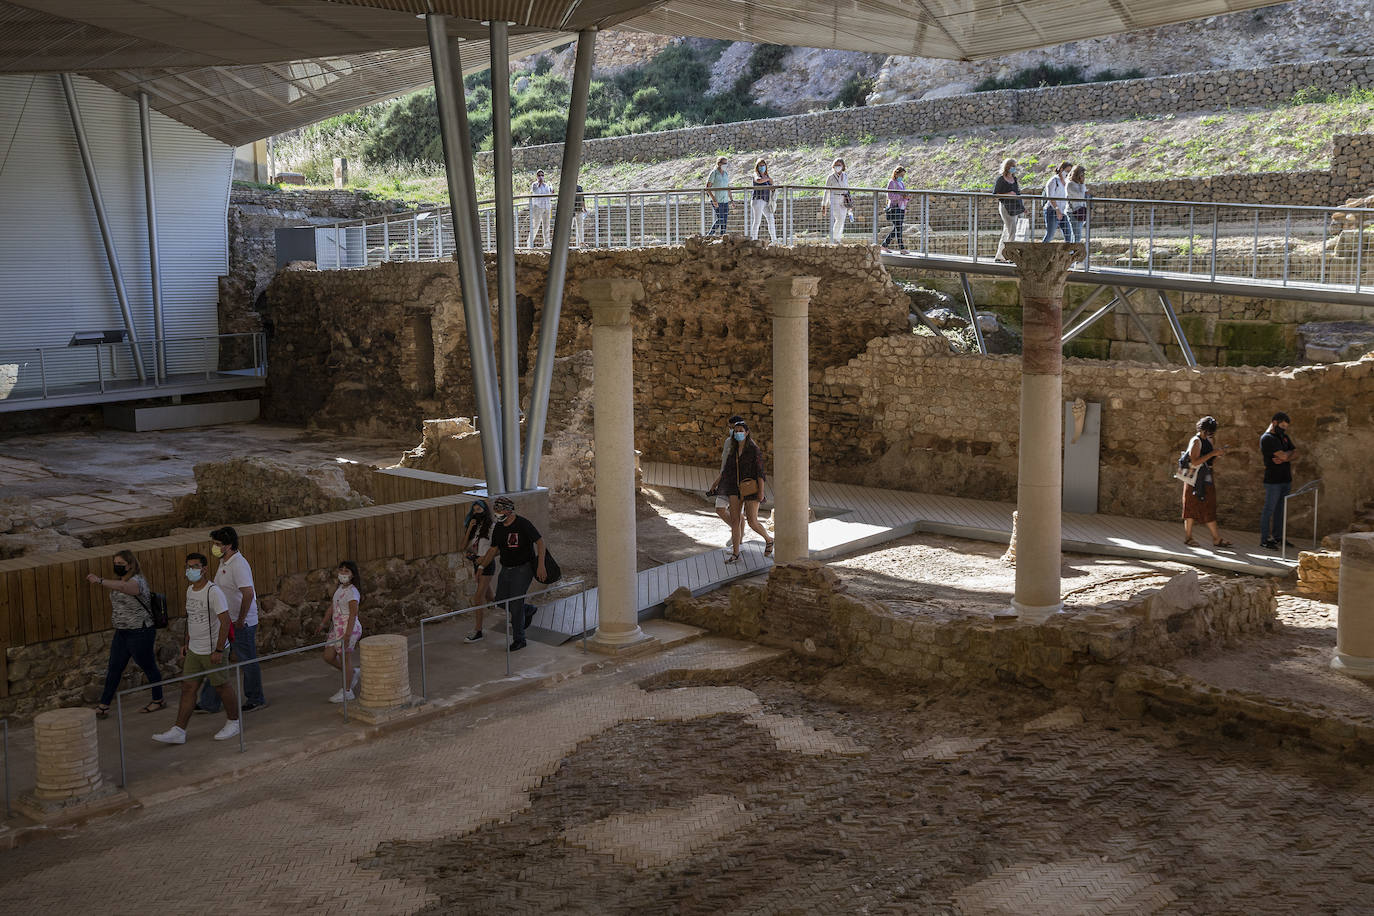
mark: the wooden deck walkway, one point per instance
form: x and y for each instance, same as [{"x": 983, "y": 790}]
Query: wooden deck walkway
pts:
[{"x": 859, "y": 517}]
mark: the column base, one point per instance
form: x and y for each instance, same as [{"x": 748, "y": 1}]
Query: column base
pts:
[
  {"x": 1036, "y": 613},
  {"x": 636, "y": 642},
  {"x": 102, "y": 802},
  {"x": 1353, "y": 665},
  {"x": 380, "y": 715}
]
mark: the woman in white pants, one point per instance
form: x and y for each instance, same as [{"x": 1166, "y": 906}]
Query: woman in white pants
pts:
[
  {"x": 837, "y": 200},
  {"x": 541, "y": 208},
  {"x": 761, "y": 206}
]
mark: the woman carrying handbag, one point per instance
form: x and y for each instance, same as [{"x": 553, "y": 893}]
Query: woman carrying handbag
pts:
[{"x": 742, "y": 481}]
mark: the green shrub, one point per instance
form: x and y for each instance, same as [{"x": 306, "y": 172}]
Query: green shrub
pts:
[
  {"x": 855, "y": 92},
  {"x": 1054, "y": 75}
]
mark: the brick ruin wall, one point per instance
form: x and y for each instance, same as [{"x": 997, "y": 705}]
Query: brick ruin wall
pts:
[{"x": 377, "y": 350}]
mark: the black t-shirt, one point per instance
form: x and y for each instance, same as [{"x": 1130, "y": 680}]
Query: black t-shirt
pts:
[
  {"x": 1002, "y": 186},
  {"x": 515, "y": 541},
  {"x": 1271, "y": 442}
]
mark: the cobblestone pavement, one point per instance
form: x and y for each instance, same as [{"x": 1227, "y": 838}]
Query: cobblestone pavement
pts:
[{"x": 781, "y": 788}]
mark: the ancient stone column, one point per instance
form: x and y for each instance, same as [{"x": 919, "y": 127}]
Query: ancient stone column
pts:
[
  {"x": 1042, "y": 270},
  {"x": 613, "y": 432},
  {"x": 791, "y": 299},
  {"x": 1355, "y": 618},
  {"x": 68, "y": 754},
  {"x": 386, "y": 672}
]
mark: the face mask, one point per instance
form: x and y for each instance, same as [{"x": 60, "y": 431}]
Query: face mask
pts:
[
  {"x": 193, "y": 574},
  {"x": 763, "y": 170},
  {"x": 345, "y": 578},
  {"x": 1014, "y": 171},
  {"x": 502, "y": 518},
  {"x": 739, "y": 437},
  {"x": 120, "y": 569},
  {"x": 216, "y": 551}
]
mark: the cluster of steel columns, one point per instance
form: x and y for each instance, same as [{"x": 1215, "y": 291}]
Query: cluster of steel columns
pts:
[
  {"x": 111, "y": 254},
  {"x": 498, "y": 405}
]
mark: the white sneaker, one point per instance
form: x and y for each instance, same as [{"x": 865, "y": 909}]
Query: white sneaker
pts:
[
  {"x": 340, "y": 695},
  {"x": 174, "y": 735},
  {"x": 230, "y": 730}
]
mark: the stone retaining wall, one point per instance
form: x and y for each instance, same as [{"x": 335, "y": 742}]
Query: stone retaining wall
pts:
[
  {"x": 1205, "y": 90},
  {"x": 805, "y": 607}
]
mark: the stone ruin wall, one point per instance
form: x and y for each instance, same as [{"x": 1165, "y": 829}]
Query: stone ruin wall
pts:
[{"x": 889, "y": 408}]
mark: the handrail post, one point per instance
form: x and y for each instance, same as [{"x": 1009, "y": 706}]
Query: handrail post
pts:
[
  {"x": 238, "y": 698},
  {"x": 119, "y": 723},
  {"x": 424, "y": 682},
  {"x": 875, "y": 217},
  {"x": 1130, "y": 250},
  {"x": 1150, "y": 254},
  {"x": 1359, "y": 254},
  {"x": 1216, "y": 217},
  {"x": 42, "y": 372},
  {"x": 1287, "y": 233},
  {"x": 1254, "y": 257},
  {"x": 925, "y": 223},
  {"x": 99, "y": 369},
  {"x": 1190, "y": 239},
  {"x": 9, "y": 810}
]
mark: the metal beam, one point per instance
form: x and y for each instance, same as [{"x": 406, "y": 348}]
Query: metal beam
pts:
[
  {"x": 468, "y": 248},
  {"x": 1125, "y": 296},
  {"x": 1085, "y": 304},
  {"x": 558, "y": 257},
  {"x": 154, "y": 260},
  {"x": 972, "y": 313},
  {"x": 98, "y": 201},
  {"x": 503, "y": 168},
  {"x": 1087, "y": 322},
  {"x": 1177, "y": 328}
]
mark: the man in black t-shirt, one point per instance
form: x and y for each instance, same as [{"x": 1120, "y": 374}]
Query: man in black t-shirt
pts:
[
  {"x": 1278, "y": 452},
  {"x": 521, "y": 547}
]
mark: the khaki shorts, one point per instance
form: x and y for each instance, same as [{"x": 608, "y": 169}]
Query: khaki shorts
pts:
[{"x": 195, "y": 664}]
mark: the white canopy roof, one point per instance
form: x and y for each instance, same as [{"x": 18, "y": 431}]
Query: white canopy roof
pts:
[{"x": 240, "y": 70}]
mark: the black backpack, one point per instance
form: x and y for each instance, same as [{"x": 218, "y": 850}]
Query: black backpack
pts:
[
  {"x": 555, "y": 572},
  {"x": 158, "y": 611}
]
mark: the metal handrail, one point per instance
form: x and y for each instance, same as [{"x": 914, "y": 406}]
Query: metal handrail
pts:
[
  {"x": 9, "y": 809},
  {"x": 1313, "y": 487},
  {"x": 238, "y": 687},
  {"x": 557, "y": 586}
]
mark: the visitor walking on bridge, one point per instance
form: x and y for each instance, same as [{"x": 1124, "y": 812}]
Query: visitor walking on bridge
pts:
[
  {"x": 135, "y": 637},
  {"x": 1009, "y": 206},
  {"x": 1057, "y": 203},
  {"x": 761, "y": 203},
  {"x": 1200, "y": 498},
  {"x": 718, "y": 187},
  {"x": 896, "y": 209},
  {"x": 837, "y": 200},
  {"x": 541, "y": 207},
  {"x": 1078, "y": 203},
  {"x": 1278, "y": 452}
]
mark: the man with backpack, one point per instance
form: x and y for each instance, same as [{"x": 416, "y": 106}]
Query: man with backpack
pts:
[{"x": 522, "y": 551}]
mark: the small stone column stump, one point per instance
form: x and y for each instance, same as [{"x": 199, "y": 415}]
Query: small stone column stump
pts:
[
  {"x": 385, "y": 688},
  {"x": 1355, "y": 618},
  {"x": 68, "y": 785}
]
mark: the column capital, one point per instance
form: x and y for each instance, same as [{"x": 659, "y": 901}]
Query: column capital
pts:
[
  {"x": 790, "y": 296},
  {"x": 1042, "y": 267},
  {"x": 610, "y": 299}
]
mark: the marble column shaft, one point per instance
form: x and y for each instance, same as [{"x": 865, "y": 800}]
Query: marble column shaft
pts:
[
  {"x": 791, "y": 301},
  {"x": 1355, "y": 617}
]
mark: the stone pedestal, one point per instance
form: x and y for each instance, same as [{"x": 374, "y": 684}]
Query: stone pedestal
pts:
[
  {"x": 791, "y": 300},
  {"x": 1042, "y": 270},
  {"x": 385, "y": 685},
  {"x": 1355, "y": 621},
  {"x": 67, "y": 783},
  {"x": 611, "y": 299}
]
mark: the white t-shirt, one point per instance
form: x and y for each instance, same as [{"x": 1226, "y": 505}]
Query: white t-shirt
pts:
[
  {"x": 1056, "y": 192},
  {"x": 339, "y": 613},
  {"x": 233, "y": 574},
  {"x": 543, "y": 196},
  {"x": 203, "y": 608}
]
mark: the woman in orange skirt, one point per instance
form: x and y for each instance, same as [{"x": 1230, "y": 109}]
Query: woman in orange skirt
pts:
[{"x": 1200, "y": 498}]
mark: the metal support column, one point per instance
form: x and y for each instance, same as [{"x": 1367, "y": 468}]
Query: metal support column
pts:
[
  {"x": 558, "y": 257},
  {"x": 1084, "y": 306},
  {"x": 154, "y": 261},
  {"x": 467, "y": 245},
  {"x": 1087, "y": 322},
  {"x": 111, "y": 255},
  {"x": 1125, "y": 296},
  {"x": 1177, "y": 327},
  {"x": 505, "y": 247},
  {"x": 972, "y": 313}
]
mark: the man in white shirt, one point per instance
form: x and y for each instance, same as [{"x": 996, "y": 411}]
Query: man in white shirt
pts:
[
  {"x": 836, "y": 200},
  {"x": 541, "y": 208},
  {"x": 235, "y": 578},
  {"x": 204, "y": 651}
]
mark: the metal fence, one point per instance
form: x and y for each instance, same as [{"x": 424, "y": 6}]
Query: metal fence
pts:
[
  {"x": 1269, "y": 244},
  {"x": 237, "y": 668},
  {"x": 39, "y": 373},
  {"x": 557, "y": 586},
  {"x": 9, "y": 808},
  {"x": 1313, "y": 487}
]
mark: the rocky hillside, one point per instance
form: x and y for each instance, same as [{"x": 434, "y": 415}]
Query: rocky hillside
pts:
[{"x": 812, "y": 78}]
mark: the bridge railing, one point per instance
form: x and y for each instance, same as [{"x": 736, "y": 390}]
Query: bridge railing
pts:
[{"x": 1271, "y": 244}]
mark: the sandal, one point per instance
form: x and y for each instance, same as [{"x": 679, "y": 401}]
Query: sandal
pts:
[
  {"x": 768, "y": 549},
  {"x": 1190, "y": 542},
  {"x": 1221, "y": 543},
  {"x": 155, "y": 706},
  {"x": 733, "y": 558},
  {"x": 102, "y": 711}
]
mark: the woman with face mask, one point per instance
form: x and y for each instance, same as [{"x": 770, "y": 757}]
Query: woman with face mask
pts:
[
  {"x": 837, "y": 200},
  {"x": 1009, "y": 206},
  {"x": 762, "y": 202},
  {"x": 341, "y": 619},
  {"x": 743, "y": 481},
  {"x": 131, "y": 613}
]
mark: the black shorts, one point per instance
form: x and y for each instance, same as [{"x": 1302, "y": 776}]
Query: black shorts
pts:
[{"x": 488, "y": 570}]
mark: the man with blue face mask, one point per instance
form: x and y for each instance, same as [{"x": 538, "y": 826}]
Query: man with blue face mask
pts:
[{"x": 204, "y": 652}]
